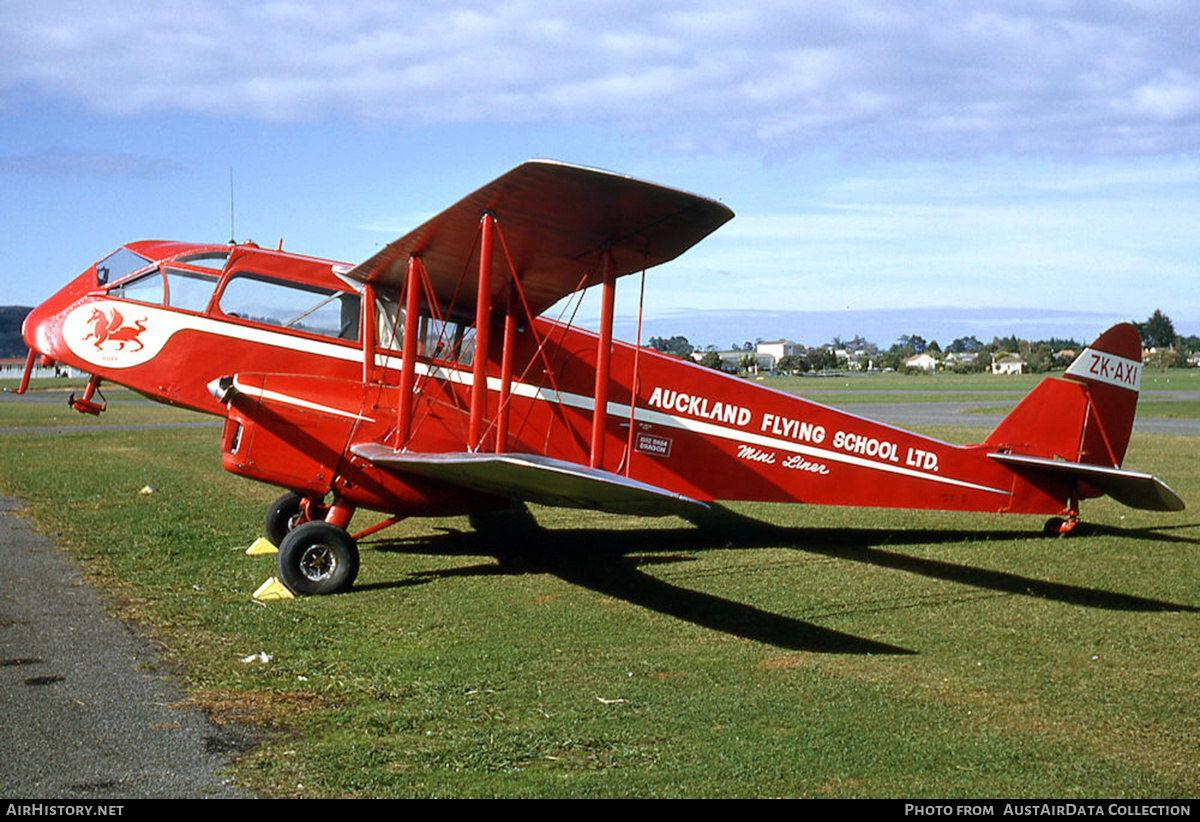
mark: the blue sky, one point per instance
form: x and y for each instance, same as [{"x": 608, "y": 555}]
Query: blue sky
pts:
[{"x": 879, "y": 155}]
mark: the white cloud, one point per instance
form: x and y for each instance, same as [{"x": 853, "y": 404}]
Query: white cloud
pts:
[
  {"x": 61, "y": 162},
  {"x": 1060, "y": 78}
]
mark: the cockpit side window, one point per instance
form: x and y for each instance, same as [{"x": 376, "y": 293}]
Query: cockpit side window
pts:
[
  {"x": 189, "y": 290},
  {"x": 306, "y": 308},
  {"x": 148, "y": 288},
  {"x": 173, "y": 287}
]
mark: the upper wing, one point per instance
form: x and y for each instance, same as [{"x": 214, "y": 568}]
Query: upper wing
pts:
[
  {"x": 556, "y": 221},
  {"x": 1127, "y": 487}
]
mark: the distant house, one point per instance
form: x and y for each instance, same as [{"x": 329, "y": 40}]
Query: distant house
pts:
[
  {"x": 1008, "y": 365},
  {"x": 770, "y": 352},
  {"x": 732, "y": 361},
  {"x": 922, "y": 362}
]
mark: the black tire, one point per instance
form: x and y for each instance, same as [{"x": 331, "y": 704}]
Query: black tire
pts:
[
  {"x": 1054, "y": 527},
  {"x": 1063, "y": 528},
  {"x": 318, "y": 558},
  {"x": 284, "y": 514}
]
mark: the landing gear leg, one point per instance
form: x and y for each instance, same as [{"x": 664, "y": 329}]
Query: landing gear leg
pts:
[{"x": 1064, "y": 526}]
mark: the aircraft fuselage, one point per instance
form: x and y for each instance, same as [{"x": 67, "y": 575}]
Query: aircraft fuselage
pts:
[{"x": 289, "y": 333}]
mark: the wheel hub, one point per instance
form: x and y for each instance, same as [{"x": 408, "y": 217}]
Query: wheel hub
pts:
[{"x": 318, "y": 563}]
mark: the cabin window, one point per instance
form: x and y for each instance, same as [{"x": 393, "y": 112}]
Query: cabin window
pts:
[
  {"x": 147, "y": 288},
  {"x": 389, "y": 322},
  {"x": 436, "y": 339},
  {"x": 307, "y": 308},
  {"x": 174, "y": 287},
  {"x": 189, "y": 290},
  {"x": 117, "y": 265},
  {"x": 207, "y": 259}
]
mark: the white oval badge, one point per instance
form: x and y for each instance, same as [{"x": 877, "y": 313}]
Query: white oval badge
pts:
[{"x": 116, "y": 335}]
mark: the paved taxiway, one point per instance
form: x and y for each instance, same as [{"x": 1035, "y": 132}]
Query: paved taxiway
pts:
[{"x": 87, "y": 712}]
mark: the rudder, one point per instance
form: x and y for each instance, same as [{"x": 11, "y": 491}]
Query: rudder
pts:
[{"x": 1088, "y": 415}]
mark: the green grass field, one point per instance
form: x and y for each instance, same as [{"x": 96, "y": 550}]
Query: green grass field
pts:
[{"x": 834, "y": 652}]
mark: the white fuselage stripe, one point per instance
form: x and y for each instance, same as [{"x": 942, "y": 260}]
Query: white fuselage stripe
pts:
[{"x": 287, "y": 399}]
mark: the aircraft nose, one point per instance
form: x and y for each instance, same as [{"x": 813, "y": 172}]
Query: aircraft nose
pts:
[{"x": 40, "y": 330}]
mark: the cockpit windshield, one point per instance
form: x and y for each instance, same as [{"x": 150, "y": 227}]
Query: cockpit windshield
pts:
[{"x": 117, "y": 265}]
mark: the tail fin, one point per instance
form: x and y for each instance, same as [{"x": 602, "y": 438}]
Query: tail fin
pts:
[{"x": 1086, "y": 417}]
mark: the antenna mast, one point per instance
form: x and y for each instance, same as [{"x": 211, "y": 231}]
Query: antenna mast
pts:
[{"x": 232, "y": 231}]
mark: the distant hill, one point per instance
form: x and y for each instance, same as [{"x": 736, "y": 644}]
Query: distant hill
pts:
[{"x": 11, "y": 317}]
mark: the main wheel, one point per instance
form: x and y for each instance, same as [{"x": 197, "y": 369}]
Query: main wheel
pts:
[
  {"x": 318, "y": 558},
  {"x": 285, "y": 514}
]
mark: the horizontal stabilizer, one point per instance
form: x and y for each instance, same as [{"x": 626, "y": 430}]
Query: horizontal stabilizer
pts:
[
  {"x": 534, "y": 478},
  {"x": 1126, "y": 487}
]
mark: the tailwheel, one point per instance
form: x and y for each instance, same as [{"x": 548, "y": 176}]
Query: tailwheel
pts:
[
  {"x": 1060, "y": 526},
  {"x": 318, "y": 558},
  {"x": 286, "y": 513}
]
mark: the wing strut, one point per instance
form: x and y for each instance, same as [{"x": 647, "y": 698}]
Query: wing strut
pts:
[
  {"x": 603, "y": 358},
  {"x": 483, "y": 314},
  {"x": 506, "y": 371},
  {"x": 408, "y": 352},
  {"x": 478, "y": 427}
]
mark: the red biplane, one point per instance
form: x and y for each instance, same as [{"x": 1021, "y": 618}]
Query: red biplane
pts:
[{"x": 425, "y": 381}]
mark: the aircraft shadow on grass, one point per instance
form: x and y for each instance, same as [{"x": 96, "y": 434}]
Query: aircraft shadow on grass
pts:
[{"x": 611, "y": 563}]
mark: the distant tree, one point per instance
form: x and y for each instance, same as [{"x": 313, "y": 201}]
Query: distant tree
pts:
[
  {"x": 964, "y": 345},
  {"x": 822, "y": 359},
  {"x": 1040, "y": 357},
  {"x": 792, "y": 364},
  {"x": 912, "y": 344},
  {"x": 1166, "y": 358},
  {"x": 1010, "y": 343},
  {"x": 892, "y": 358},
  {"x": 676, "y": 346},
  {"x": 1060, "y": 344},
  {"x": 711, "y": 359},
  {"x": 982, "y": 362},
  {"x": 1158, "y": 331}
]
